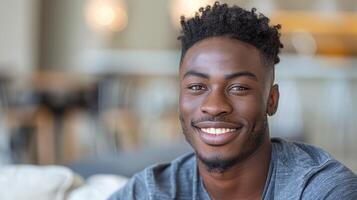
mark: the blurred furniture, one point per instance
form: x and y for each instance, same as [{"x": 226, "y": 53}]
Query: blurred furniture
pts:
[
  {"x": 130, "y": 162},
  {"x": 39, "y": 121},
  {"x": 41, "y": 183},
  {"x": 54, "y": 183}
]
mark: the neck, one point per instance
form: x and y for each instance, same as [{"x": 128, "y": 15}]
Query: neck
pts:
[{"x": 245, "y": 180}]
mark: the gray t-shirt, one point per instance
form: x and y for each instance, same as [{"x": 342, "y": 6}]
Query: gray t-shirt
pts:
[{"x": 297, "y": 171}]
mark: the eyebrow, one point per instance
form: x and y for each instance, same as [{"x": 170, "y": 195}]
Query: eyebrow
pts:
[
  {"x": 239, "y": 74},
  {"x": 228, "y": 76},
  {"x": 195, "y": 73}
]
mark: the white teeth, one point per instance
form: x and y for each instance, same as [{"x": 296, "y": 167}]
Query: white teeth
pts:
[{"x": 217, "y": 131}]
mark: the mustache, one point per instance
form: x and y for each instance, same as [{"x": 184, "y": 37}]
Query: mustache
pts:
[{"x": 213, "y": 119}]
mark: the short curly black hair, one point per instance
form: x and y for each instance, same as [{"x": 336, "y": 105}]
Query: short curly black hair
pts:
[{"x": 234, "y": 22}]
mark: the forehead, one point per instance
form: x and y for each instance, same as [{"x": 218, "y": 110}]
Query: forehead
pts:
[{"x": 219, "y": 55}]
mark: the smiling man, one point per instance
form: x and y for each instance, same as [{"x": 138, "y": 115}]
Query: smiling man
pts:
[{"x": 227, "y": 92}]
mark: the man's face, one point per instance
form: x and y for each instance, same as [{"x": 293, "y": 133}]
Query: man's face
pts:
[{"x": 225, "y": 93}]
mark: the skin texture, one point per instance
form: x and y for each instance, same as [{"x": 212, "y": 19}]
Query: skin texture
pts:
[{"x": 224, "y": 83}]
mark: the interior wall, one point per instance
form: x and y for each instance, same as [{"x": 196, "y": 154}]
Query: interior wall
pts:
[
  {"x": 63, "y": 33},
  {"x": 149, "y": 27},
  {"x": 65, "y": 37},
  {"x": 18, "y": 35}
]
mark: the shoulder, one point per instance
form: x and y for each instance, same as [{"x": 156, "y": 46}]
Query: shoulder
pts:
[
  {"x": 331, "y": 181},
  {"x": 159, "y": 180},
  {"x": 135, "y": 188},
  {"x": 316, "y": 172},
  {"x": 299, "y": 155}
]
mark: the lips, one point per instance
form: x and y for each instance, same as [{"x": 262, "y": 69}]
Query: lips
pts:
[{"x": 217, "y": 133}]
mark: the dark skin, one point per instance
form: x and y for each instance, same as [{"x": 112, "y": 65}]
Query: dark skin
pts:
[{"x": 225, "y": 85}]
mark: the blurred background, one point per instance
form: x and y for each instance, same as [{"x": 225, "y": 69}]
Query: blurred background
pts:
[{"x": 93, "y": 84}]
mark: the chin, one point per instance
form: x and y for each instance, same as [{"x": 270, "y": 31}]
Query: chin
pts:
[{"x": 219, "y": 163}]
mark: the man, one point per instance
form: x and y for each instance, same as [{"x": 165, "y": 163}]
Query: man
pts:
[{"x": 227, "y": 91}]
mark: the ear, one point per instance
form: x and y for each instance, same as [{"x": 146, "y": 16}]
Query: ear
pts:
[{"x": 273, "y": 100}]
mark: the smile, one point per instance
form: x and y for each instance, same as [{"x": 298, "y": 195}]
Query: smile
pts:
[
  {"x": 217, "y": 136},
  {"x": 217, "y": 131}
]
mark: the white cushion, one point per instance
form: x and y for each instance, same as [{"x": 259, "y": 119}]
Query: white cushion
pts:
[
  {"x": 98, "y": 187},
  {"x": 23, "y": 182}
]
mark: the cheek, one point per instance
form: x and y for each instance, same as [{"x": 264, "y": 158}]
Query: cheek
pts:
[
  {"x": 188, "y": 105},
  {"x": 252, "y": 108}
]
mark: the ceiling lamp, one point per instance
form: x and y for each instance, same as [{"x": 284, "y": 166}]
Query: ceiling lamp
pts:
[
  {"x": 106, "y": 15},
  {"x": 188, "y": 8}
]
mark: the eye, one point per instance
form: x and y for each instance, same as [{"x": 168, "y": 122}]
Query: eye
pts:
[
  {"x": 238, "y": 89},
  {"x": 196, "y": 88}
]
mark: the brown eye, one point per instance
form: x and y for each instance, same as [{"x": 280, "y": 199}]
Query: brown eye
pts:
[
  {"x": 196, "y": 88},
  {"x": 238, "y": 89}
]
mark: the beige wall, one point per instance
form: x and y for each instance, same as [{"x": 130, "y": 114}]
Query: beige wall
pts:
[
  {"x": 149, "y": 27},
  {"x": 66, "y": 37},
  {"x": 18, "y": 35}
]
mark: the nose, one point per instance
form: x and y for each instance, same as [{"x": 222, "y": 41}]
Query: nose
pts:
[{"x": 216, "y": 104}]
